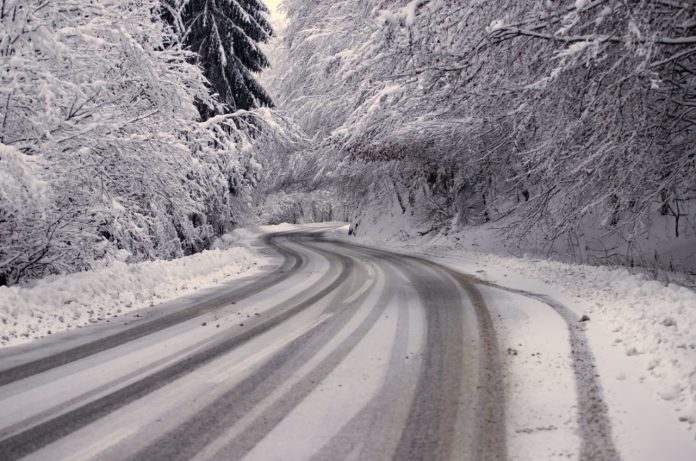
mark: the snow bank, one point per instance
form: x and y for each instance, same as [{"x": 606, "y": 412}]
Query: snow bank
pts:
[
  {"x": 60, "y": 303},
  {"x": 645, "y": 317}
]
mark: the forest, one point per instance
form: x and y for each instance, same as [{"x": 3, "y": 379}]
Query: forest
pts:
[
  {"x": 569, "y": 126},
  {"x": 119, "y": 139},
  {"x": 142, "y": 129}
]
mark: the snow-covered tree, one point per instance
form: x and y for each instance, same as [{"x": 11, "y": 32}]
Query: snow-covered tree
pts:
[
  {"x": 101, "y": 149},
  {"x": 225, "y": 37},
  {"x": 534, "y": 111}
]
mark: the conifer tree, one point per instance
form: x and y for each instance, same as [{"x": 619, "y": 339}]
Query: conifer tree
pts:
[{"x": 225, "y": 35}]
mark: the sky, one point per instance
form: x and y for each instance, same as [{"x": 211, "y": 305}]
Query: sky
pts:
[
  {"x": 277, "y": 18},
  {"x": 272, "y": 4}
]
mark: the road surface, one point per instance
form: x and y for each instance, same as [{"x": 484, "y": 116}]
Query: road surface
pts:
[{"x": 337, "y": 352}]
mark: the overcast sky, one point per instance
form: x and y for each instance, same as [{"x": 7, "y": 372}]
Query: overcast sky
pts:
[
  {"x": 273, "y": 5},
  {"x": 276, "y": 17}
]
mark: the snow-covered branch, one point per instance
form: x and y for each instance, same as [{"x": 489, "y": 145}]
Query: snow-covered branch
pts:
[{"x": 102, "y": 150}]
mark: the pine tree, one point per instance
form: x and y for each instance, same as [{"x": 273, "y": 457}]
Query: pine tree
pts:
[{"x": 225, "y": 36}]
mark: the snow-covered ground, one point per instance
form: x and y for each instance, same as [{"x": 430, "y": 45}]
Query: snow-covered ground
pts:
[
  {"x": 642, "y": 333},
  {"x": 59, "y": 303}
]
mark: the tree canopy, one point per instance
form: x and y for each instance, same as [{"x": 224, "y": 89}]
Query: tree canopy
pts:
[{"x": 551, "y": 115}]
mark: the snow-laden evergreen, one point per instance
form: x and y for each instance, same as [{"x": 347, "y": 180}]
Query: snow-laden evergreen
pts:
[{"x": 225, "y": 37}]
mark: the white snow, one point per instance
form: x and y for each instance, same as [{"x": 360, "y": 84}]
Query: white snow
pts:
[
  {"x": 495, "y": 25},
  {"x": 540, "y": 420},
  {"x": 606, "y": 11},
  {"x": 387, "y": 17},
  {"x": 573, "y": 49},
  {"x": 60, "y": 303},
  {"x": 379, "y": 100},
  {"x": 19, "y": 186},
  {"x": 409, "y": 11},
  {"x": 405, "y": 15},
  {"x": 223, "y": 56},
  {"x": 635, "y": 30}
]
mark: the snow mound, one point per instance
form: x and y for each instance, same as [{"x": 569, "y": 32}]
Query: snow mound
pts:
[
  {"x": 60, "y": 303},
  {"x": 405, "y": 16}
]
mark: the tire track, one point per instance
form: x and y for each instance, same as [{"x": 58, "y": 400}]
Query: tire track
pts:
[
  {"x": 371, "y": 433},
  {"x": 489, "y": 436},
  {"x": 596, "y": 441},
  {"x": 593, "y": 414},
  {"x": 429, "y": 428},
  {"x": 28, "y": 441},
  {"x": 207, "y": 425},
  {"x": 292, "y": 262}
]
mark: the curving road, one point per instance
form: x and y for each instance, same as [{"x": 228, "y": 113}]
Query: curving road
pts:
[{"x": 337, "y": 352}]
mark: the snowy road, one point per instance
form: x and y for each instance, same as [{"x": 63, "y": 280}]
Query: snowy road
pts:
[{"x": 339, "y": 352}]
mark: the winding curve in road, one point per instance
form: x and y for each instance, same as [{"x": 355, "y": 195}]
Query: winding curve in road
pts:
[{"x": 339, "y": 352}]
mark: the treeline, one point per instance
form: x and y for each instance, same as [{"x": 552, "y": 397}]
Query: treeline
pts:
[
  {"x": 566, "y": 120},
  {"x": 118, "y": 138}
]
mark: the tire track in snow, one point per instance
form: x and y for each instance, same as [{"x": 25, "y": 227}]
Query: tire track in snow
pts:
[
  {"x": 292, "y": 262},
  {"x": 593, "y": 414},
  {"x": 373, "y": 426},
  {"x": 489, "y": 437},
  {"x": 210, "y": 423},
  {"x": 26, "y": 442}
]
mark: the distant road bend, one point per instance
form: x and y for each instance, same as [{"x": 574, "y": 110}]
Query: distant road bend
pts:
[{"x": 338, "y": 352}]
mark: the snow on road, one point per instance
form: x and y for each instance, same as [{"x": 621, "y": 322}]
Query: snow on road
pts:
[
  {"x": 535, "y": 346},
  {"x": 60, "y": 303},
  {"x": 641, "y": 332},
  {"x": 643, "y": 335}
]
